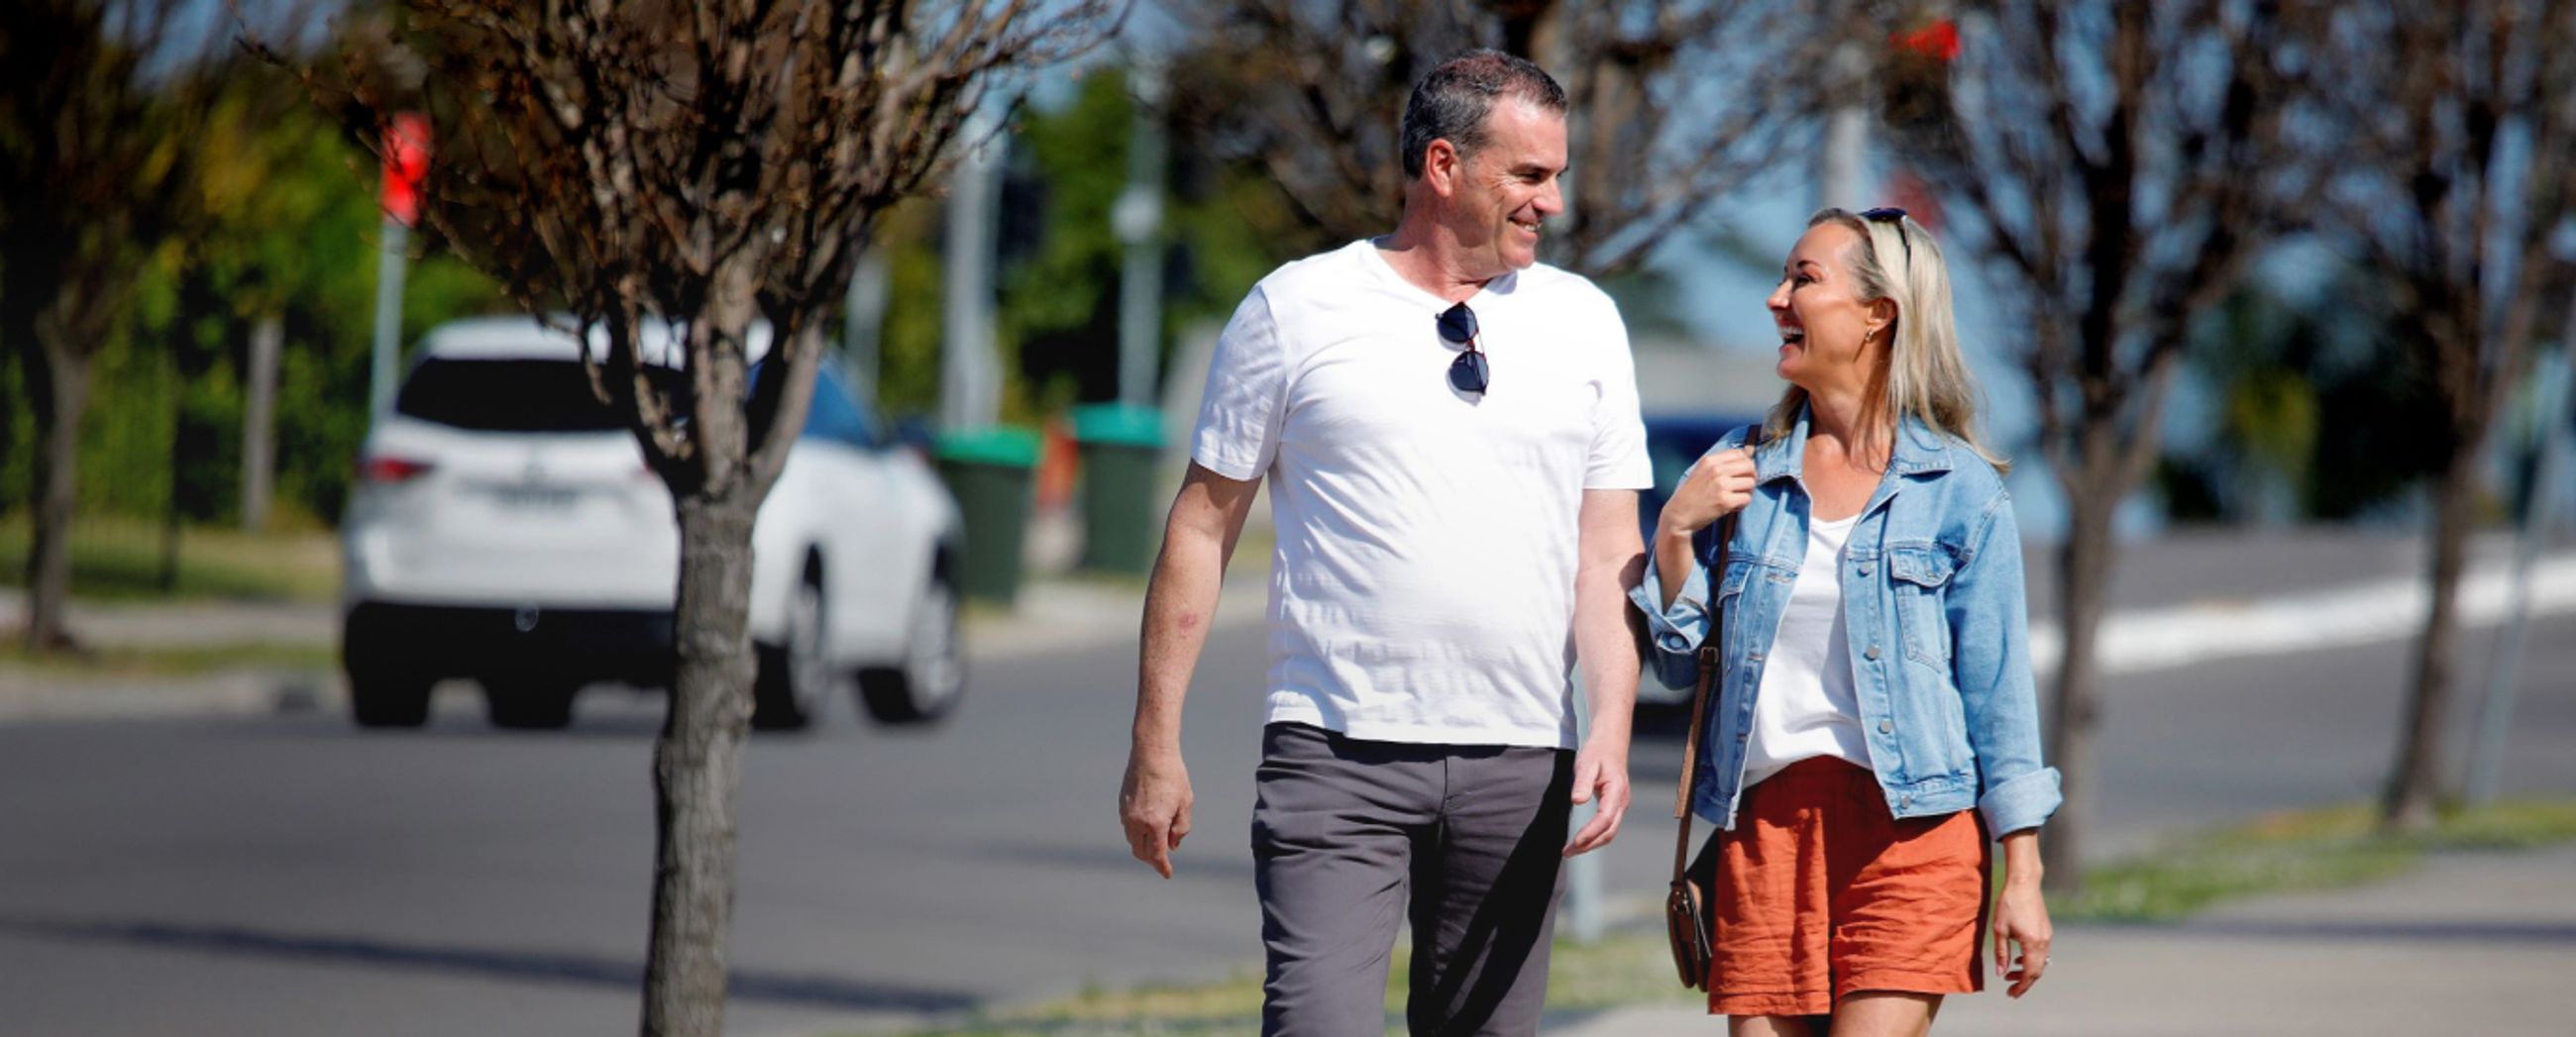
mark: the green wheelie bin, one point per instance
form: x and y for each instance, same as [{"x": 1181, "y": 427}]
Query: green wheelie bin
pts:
[
  {"x": 989, "y": 471},
  {"x": 1122, "y": 450}
]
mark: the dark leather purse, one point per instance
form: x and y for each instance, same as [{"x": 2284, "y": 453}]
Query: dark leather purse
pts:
[{"x": 1690, "y": 919}]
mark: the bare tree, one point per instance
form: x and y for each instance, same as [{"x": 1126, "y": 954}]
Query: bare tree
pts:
[
  {"x": 2455, "y": 167},
  {"x": 95, "y": 180},
  {"x": 1671, "y": 105},
  {"x": 2118, "y": 164},
  {"x": 710, "y": 164}
]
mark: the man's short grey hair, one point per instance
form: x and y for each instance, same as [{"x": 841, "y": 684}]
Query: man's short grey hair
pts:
[{"x": 1452, "y": 102}]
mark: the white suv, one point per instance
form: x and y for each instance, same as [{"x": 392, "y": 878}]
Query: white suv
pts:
[{"x": 504, "y": 528}]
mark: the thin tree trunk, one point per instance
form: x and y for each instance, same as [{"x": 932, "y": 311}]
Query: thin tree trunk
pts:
[
  {"x": 697, "y": 769},
  {"x": 2084, "y": 564},
  {"x": 172, "y": 521},
  {"x": 2414, "y": 779},
  {"x": 259, "y": 456},
  {"x": 59, "y": 386}
]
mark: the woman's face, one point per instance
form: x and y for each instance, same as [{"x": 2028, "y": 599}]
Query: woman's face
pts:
[{"x": 1830, "y": 338}]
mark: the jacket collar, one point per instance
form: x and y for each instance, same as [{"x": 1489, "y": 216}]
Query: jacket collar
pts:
[{"x": 1918, "y": 451}]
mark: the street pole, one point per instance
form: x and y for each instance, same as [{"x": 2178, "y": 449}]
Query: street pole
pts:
[
  {"x": 406, "y": 167},
  {"x": 259, "y": 421},
  {"x": 390, "y": 261},
  {"x": 1138, "y": 220},
  {"x": 1846, "y": 134},
  {"x": 1583, "y": 914},
  {"x": 970, "y": 374},
  {"x": 863, "y": 323},
  {"x": 2504, "y": 675}
]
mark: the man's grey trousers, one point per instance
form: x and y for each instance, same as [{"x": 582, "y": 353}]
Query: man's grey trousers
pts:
[{"x": 1343, "y": 828}]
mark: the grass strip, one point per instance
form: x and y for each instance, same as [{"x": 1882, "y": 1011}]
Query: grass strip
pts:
[
  {"x": 121, "y": 559},
  {"x": 2299, "y": 850},
  {"x": 101, "y": 665}
]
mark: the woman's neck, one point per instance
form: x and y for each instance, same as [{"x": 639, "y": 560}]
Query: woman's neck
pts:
[{"x": 1857, "y": 421}]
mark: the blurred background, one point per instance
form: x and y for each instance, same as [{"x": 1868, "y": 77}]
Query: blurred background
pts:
[{"x": 322, "y": 711}]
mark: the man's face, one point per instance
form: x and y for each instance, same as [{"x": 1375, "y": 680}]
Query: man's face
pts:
[{"x": 1509, "y": 186}]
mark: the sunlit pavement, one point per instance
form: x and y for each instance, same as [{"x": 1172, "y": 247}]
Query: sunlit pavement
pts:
[{"x": 2470, "y": 943}]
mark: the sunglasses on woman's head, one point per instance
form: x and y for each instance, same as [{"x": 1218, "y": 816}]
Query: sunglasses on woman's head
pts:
[
  {"x": 1468, "y": 373},
  {"x": 1892, "y": 214}
]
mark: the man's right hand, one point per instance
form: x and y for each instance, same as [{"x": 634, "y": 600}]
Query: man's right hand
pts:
[
  {"x": 1154, "y": 804},
  {"x": 1154, "y": 800}
]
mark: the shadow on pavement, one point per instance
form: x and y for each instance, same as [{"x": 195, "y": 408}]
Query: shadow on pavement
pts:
[{"x": 592, "y": 970}]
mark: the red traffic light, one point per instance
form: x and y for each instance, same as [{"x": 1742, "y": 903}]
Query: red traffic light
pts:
[
  {"x": 1938, "y": 41},
  {"x": 406, "y": 153}
]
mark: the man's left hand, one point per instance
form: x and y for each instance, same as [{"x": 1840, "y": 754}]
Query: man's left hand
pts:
[{"x": 1600, "y": 774}]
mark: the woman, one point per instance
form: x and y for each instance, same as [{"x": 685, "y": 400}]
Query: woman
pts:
[{"x": 1874, "y": 720}]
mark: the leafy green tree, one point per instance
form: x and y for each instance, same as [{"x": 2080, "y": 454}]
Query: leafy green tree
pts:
[
  {"x": 96, "y": 101},
  {"x": 287, "y": 227},
  {"x": 1061, "y": 261},
  {"x": 293, "y": 235},
  {"x": 2318, "y": 408},
  {"x": 1060, "y": 294}
]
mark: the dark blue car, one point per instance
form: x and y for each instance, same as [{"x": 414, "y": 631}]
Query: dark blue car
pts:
[{"x": 1673, "y": 441}]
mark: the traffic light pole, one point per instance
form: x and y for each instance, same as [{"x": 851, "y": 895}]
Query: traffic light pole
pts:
[{"x": 389, "y": 297}]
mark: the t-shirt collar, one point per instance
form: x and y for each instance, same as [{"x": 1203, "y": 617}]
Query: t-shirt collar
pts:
[{"x": 1500, "y": 285}]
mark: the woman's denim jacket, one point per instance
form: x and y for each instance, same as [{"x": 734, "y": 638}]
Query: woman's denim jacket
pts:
[{"x": 1939, "y": 637}]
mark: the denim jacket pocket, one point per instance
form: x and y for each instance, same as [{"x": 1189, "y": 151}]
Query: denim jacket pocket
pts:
[{"x": 1919, "y": 577}]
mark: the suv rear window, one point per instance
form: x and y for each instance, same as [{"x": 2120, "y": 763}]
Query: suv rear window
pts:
[{"x": 507, "y": 396}]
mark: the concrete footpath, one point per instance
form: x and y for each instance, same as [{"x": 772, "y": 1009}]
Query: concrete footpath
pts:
[{"x": 2479, "y": 943}]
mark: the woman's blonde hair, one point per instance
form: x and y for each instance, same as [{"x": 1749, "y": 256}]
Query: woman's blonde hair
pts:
[{"x": 1926, "y": 376}]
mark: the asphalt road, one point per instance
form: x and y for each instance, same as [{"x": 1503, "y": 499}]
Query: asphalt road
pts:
[{"x": 290, "y": 875}]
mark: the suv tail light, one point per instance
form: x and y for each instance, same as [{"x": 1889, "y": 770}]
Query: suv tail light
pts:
[{"x": 391, "y": 469}]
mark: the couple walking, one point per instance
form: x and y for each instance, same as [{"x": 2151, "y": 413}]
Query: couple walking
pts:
[{"x": 1450, "y": 432}]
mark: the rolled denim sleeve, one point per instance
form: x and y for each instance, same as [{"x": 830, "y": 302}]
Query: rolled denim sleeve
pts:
[
  {"x": 1676, "y": 632},
  {"x": 1990, "y": 627}
]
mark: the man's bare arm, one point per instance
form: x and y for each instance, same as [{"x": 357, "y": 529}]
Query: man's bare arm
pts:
[
  {"x": 1198, "y": 541},
  {"x": 1612, "y": 559}
]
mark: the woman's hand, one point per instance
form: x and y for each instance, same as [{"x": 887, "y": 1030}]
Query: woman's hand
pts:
[
  {"x": 1717, "y": 485},
  {"x": 2021, "y": 916}
]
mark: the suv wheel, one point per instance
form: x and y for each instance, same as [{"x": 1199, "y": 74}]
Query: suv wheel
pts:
[
  {"x": 529, "y": 702},
  {"x": 788, "y": 692},
  {"x": 383, "y": 700},
  {"x": 932, "y": 677}
]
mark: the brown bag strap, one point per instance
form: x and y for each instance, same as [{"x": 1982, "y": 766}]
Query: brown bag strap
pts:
[
  {"x": 1703, "y": 690},
  {"x": 1690, "y": 758}
]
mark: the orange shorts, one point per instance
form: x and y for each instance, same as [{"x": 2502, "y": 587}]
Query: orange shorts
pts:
[{"x": 1822, "y": 893}]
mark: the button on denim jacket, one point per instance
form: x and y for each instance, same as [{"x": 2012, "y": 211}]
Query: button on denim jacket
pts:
[{"x": 1939, "y": 634}]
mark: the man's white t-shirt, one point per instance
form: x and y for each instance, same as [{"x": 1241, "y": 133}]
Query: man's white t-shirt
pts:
[
  {"x": 1806, "y": 706},
  {"x": 1422, "y": 589}
]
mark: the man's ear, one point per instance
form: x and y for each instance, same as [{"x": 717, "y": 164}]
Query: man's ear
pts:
[{"x": 1442, "y": 166}]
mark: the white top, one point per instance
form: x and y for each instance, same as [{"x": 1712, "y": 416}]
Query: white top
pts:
[
  {"x": 1423, "y": 585},
  {"x": 1806, "y": 706}
]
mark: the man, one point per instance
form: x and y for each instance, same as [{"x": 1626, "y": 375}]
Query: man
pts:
[{"x": 1451, "y": 436}]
